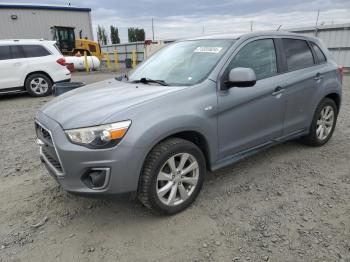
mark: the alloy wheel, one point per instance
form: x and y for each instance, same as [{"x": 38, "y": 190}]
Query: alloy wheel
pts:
[
  {"x": 325, "y": 122},
  {"x": 177, "y": 179},
  {"x": 39, "y": 85}
]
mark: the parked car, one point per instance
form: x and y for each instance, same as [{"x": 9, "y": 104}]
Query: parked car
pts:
[
  {"x": 32, "y": 66},
  {"x": 196, "y": 105}
]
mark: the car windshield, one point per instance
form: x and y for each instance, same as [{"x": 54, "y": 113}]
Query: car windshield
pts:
[{"x": 182, "y": 63}]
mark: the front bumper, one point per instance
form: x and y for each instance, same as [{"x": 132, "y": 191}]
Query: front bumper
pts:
[{"x": 69, "y": 163}]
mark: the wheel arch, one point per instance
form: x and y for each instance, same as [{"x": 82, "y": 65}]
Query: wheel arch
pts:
[
  {"x": 37, "y": 72},
  {"x": 336, "y": 98},
  {"x": 196, "y": 138},
  {"x": 193, "y": 136}
]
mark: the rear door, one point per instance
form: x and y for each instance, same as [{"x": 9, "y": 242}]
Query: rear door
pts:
[
  {"x": 6, "y": 66},
  {"x": 302, "y": 80},
  {"x": 323, "y": 71},
  {"x": 12, "y": 66},
  {"x": 38, "y": 58},
  {"x": 251, "y": 116}
]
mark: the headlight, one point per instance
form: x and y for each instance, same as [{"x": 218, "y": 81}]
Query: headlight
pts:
[{"x": 99, "y": 136}]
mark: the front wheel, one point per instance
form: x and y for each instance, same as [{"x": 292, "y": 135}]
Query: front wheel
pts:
[
  {"x": 323, "y": 123},
  {"x": 172, "y": 176}
]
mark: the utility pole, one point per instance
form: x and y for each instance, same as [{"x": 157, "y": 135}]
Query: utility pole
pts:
[
  {"x": 152, "y": 30},
  {"x": 318, "y": 14},
  {"x": 251, "y": 26}
]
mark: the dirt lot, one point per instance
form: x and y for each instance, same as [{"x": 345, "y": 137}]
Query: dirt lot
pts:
[{"x": 290, "y": 203}]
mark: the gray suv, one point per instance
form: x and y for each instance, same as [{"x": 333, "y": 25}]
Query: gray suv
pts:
[{"x": 196, "y": 105}]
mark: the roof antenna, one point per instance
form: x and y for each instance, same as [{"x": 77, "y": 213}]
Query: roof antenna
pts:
[{"x": 279, "y": 28}]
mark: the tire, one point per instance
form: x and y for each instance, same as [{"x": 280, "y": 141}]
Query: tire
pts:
[
  {"x": 154, "y": 183},
  {"x": 314, "y": 138},
  {"x": 38, "y": 85}
]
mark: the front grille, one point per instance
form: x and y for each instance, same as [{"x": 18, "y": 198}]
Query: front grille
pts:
[
  {"x": 46, "y": 135},
  {"x": 48, "y": 150},
  {"x": 55, "y": 163},
  {"x": 43, "y": 134}
]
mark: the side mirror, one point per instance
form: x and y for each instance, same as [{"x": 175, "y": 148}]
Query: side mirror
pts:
[{"x": 241, "y": 77}]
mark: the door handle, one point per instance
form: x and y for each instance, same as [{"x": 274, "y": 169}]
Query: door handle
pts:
[
  {"x": 278, "y": 90},
  {"x": 318, "y": 77},
  {"x": 18, "y": 64}
]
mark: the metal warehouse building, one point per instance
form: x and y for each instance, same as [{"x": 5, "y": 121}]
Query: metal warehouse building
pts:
[
  {"x": 336, "y": 39},
  {"x": 34, "y": 21}
]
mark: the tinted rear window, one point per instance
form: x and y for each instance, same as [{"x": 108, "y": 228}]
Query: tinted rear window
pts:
[
  {"x": 59, "y": 51},
  {"x": 35, "y": 51},
  {"x": 17, "y": 51},
  {"x": 5, "y": 52},
  {"x": 319, "y": 54},
  {"x": 298, "y": 54}
]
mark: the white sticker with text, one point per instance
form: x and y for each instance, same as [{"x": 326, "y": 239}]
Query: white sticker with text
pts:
[{"x": 212, "y": 49}]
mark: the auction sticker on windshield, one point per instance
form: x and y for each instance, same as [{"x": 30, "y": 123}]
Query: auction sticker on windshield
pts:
[{"x": 211, "y": 49}]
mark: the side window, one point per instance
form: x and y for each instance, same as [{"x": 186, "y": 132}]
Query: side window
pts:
[
  {"x": 320, "y": 55},
  {"x": 35, "y": 51},
  {"x": 259, "y": 55},
  {"x": 298, "y": 54},
  {"x": 5, "y": 52},
  {"x": 16, "y": 51}
]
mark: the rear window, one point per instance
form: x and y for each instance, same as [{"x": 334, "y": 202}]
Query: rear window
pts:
[
  {"x": 5, "y": 52},
  {"x": 298, "y": 54},
  {"x": 59, "y": 51},
  {"x": 319, "y": 54},
  {"x": 35, "y": 51},
  {"x": 17, "y": 51}
]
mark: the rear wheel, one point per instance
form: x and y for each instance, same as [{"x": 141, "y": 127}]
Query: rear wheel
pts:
[
  {"x": 323, "y": 123},
  {"x": 38, "y": 85},
  {"x": 172, "y": 176}
]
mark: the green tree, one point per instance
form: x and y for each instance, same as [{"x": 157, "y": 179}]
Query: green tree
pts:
[
  {"x": 131, "y": 34},
  {"x": 114, "y": 35},
  {"x": 136, "y": 34},
  {"x": 101, "y": 35}
]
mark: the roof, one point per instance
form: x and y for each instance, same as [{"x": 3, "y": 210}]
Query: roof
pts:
[
  {"x": 249, "y": 35},
  {"x": 24, "y": 41},
  {"x": 43, "y": 7}
]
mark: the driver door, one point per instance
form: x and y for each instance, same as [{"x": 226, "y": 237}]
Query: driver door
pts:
[{"x": 251, "y": 116}]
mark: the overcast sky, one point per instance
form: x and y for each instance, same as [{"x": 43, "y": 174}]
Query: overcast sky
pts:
[{"x": 184, "y": 18}]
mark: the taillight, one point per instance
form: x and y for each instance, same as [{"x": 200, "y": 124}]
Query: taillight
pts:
[{"x": 61, "y": 61}]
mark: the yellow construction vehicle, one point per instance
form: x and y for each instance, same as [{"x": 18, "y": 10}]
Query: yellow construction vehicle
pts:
[{"x": 69, "y": 45}]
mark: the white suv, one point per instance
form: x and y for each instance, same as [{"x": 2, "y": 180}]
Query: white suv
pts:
[{"x": 32, "y": 66}]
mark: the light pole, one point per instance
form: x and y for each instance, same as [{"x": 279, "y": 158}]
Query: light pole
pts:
[{"x": 152, "y": 30}]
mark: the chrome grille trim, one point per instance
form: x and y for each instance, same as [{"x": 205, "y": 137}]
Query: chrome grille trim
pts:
[{"x": 59, "y": 173}]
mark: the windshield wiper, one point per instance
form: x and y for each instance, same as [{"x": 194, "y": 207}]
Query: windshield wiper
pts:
[{"x": 145, "y": 80}]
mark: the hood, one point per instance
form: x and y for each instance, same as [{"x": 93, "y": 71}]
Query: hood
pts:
[{"x": 92, "y": 104}]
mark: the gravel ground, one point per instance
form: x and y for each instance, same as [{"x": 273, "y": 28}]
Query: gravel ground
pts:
[{"x": 289, "y": 203}]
